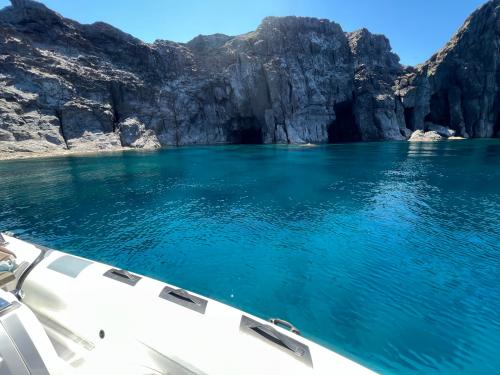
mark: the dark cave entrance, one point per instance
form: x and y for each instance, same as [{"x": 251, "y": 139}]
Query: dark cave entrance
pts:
[
  {"x": 344, "y": 128},
  {"x": 250, "y": 136},
  {"x": 496, "y": 128},
  {"x": 246, "y": 131},
  {"x": 440, "y": 110},
  {"x": 409, "y": 118}
]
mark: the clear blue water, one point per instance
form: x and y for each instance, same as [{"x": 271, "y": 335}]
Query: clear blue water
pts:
[{"x": 385, "y": 252}]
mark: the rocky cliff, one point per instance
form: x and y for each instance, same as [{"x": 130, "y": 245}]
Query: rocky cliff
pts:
[
  {"x": 459, "y": 86},
  {"x": 64, "y": 85}
]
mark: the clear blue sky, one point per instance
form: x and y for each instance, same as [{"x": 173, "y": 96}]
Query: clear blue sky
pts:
[{"x": 416, "y": 28}]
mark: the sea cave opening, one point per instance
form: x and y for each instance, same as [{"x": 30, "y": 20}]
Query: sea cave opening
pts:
[
  {"x": 439, "y": 110},
  {"x": 249, "y": 136},
  {"x": 246, "y": 131},
  {"x": 344, "y": 127},
  {"x": 409, "y": 119},
  {"x": 496, "y": 128}
]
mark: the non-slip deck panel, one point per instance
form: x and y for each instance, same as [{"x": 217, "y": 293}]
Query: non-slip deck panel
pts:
[{"x": 69, "y": 265}]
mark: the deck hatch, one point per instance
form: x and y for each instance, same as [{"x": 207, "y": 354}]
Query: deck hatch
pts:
[
  {"x": 184, "y": 298},
  {"x": 122, "y": 276},
  {"x": 282, "y": 342},
  {"x": 69, "y": 265}
]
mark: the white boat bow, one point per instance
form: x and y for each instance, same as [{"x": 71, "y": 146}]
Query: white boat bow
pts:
[{"x": 76, "y": 316}]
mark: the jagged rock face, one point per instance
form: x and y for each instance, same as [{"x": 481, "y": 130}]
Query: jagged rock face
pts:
[
  {"x": 378, "y": 113},
  {"x": 285, "y": 78},
  {"x": 94, "y": 87},
  {"x": 459, "y": 86},
  {"x": 64, "y": 85}
]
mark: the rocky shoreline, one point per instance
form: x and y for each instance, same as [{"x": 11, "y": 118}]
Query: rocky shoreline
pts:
[
  {"x": 58, "y": 153},
  {"x": 418, "y": 136},
  {"x": 69, "y": 88}
]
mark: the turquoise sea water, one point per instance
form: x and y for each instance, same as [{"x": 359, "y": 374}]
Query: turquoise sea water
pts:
[{"x": 388, "y": 253}]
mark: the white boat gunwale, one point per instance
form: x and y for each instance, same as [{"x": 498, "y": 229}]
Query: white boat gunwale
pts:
[{"x": 236, "y": 333}]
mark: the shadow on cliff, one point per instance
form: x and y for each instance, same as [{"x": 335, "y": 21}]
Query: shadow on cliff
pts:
[
  {"x": 246, "y": 131},
  {"x": 344, "y": 128}
]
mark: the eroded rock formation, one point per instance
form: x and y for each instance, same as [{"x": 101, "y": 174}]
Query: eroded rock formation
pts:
[
  {"x": 64, "y": 85},
  {"x": 459, "y": 86}
]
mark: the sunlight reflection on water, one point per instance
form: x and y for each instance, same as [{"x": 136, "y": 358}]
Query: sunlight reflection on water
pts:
[{"x": 385, "y": 252}]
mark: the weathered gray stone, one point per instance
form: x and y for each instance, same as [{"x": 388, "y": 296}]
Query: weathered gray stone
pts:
[
  {"x": 421, "y": 136},
  {"x": 64, "y": 85},
  {"x": 459, "y": 86},
  {"x": 443, "y": 131},
  {"x": 375, "y": 105},
  {"x": 133, "y": 133}
]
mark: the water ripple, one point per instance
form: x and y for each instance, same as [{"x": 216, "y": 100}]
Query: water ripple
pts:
[{"x": 385, "y": 252}]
